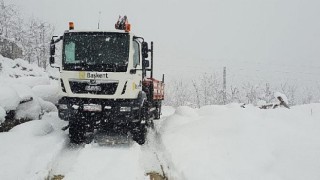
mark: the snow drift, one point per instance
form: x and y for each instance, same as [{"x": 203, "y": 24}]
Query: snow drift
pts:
[
  {"x": 25, "y": 89},
  {"x": 229, "y": 142},
  {"x": 27, "y": 150}
]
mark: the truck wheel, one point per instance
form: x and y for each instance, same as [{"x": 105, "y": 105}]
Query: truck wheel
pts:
[
  {"x": 151, "y": 123},
  {"x": 158, "y": 112},
  {"x": 139, "y": 135},
  {"x": 77, "y": 132}
]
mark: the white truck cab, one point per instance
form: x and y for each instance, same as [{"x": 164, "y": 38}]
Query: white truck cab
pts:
[
  {"x": 98, "y": 64},
  {"x": 105, "y": 83}
]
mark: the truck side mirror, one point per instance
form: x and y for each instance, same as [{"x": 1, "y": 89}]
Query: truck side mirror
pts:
[
  {"x": 51, "y": 60},
  {"x": 145, "y": 49},
  {"x": 52, "y": 48},
  {"x": 145, "y": 63}
]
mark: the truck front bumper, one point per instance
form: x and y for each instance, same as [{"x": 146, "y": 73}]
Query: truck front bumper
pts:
[{"x": 120, "y": 111}]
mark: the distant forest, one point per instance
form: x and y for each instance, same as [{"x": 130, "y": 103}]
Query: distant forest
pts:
[
  {"x": 32, "y": 35},
  {"x": 208, "y": 89}
]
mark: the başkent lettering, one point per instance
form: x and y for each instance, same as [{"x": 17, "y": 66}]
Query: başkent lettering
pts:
[{"x": 97, "y": 75}]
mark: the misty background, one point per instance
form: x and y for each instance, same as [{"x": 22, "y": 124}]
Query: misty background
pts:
[{"x": 260, "y": 42}]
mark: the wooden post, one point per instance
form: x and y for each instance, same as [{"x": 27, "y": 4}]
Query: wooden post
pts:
[{"x": 224, "y": 85}]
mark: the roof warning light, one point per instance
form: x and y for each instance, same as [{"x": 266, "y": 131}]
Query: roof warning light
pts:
[
  {"x": 123, "y": 24},
  {"x": 71, "y": 26}
]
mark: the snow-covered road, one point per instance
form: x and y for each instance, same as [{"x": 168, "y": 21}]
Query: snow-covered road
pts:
[{"x": 95, "y": 162}]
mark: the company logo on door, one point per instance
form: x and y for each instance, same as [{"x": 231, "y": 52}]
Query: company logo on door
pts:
[{"x": 97, "y": 75}]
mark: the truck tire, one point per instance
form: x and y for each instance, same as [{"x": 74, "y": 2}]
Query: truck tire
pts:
[
  {"x": 77, "y": 132},
  {"x": 158, "y": 111},
  {"x": 139, "y": 135}
]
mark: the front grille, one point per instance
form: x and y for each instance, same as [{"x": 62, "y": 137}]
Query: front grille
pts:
[{"x": 86, "y": 87}]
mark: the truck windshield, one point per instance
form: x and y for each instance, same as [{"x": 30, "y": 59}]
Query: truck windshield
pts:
[{"x": 95, "y": 51}]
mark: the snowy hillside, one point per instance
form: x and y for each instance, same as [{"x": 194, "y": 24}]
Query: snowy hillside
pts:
[
  {"x": 213, "y": 142},
  {"x": 26, "y": 90}
]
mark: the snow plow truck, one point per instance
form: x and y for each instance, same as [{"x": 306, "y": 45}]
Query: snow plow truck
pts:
[{"x": 107, "y": 83}]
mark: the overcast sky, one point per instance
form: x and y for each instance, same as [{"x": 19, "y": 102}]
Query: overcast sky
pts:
[{"x": 257, "y": 40}]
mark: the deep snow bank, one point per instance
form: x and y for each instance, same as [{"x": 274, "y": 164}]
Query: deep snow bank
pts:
[
  {"x": 27, "y": 150},
  {"x": 24, "y": 82},
  {"x": 229, "y": 142}
]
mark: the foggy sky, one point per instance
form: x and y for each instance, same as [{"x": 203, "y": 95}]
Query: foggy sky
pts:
[{"x": 257, "y": 40}]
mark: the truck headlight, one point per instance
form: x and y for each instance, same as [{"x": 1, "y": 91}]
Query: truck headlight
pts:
[
  {"x": 63, "y": 106},
  {"x": 125, "y": 109}
]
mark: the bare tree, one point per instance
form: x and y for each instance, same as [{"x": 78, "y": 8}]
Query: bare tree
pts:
[
  {"x": 309, "y": 95},
  {"x": 290, "y": 92},
  {"x": 33, "y": 36},
  {"x": 197, "y": 92},
  {"x": 36, "y": 43},
  {"x": 235, "y": 95},
  {"x": 8, "y": 14},
  {"x": 178, "y": 93},
  {"x": 266, "y": 94},
  {"x": 250, "y": 93}
]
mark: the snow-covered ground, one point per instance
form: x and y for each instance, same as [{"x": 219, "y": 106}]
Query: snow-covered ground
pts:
[
  {"x": 213, "y": 142},
  {"x": 229, "y": 142},
  {"x": 26, "y": 152}
]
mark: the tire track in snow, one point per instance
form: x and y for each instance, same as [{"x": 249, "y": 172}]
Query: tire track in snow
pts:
[
  {"x": 156, "y": 158},
  {"x": 92, "y": 161},
  {"x": 65, "y": 160}
]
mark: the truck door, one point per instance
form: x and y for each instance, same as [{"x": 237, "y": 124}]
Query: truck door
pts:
[{"x": 137, "y": 64}]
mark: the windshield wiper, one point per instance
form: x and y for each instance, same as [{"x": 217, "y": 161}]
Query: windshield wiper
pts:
[
  {"x": 110, "y": 67},
  {"x": 77, "y": 66}
]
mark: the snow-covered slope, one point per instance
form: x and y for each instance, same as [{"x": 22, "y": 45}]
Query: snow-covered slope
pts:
[
  {"x": 24, "y": 82},
  {"x": 229, "y": 142},
  {"x": 28, "y": 149}
]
